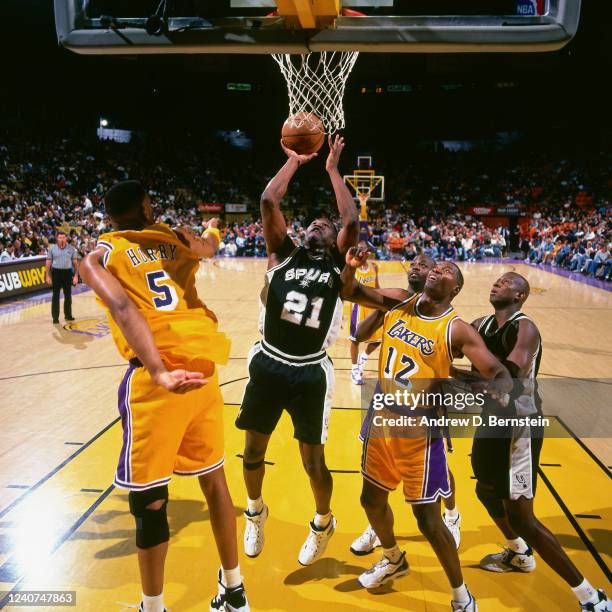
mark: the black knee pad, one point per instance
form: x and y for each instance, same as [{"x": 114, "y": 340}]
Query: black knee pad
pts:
[
  {"x": 494, "y": 505},
  {"x": 255, "y": 465},
  {"x": 151, "y": 525}
]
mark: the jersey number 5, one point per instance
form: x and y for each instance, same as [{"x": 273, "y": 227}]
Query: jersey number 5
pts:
[
  {"x": 296, "y": 304},
  {"x": 166, "y": 297}
]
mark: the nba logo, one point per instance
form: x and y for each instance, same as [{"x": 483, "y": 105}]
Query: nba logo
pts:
[{"x": 529, "y": 8}]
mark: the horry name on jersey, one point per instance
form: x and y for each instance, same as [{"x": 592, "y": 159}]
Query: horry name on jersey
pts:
[
  {"x": 309, "y": 275},
  {"x": 401, "y": 332}
]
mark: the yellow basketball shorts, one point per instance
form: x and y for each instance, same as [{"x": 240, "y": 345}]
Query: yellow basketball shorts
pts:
[
  {"x": 358, "y": 314},
  {"x": 419, "y": 463},
  {"x": 166, "y": 433}
]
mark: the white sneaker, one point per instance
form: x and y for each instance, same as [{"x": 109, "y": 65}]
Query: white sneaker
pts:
[
  {"x": 470, "y": 606},
  {"x": 316, "y": 542},
  {"x": 602, "y": 605},
  {"x": 454, "y": 526},
  {"x": 254, "y": 532},
  {"x": 357, "y": 376},
  {"x": 383, "y": 571},
  {"x": 366, "y": 542},
  {"x": 509, "y": 561}
]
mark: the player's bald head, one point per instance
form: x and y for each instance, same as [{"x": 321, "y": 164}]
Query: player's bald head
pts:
[
  {"x": 520, "y": 283},
  {"x": 425, "y": 260},
  {"x": 509, "y": 288}
]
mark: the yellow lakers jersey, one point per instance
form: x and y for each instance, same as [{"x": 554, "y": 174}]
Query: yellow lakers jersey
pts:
[
  {"x": 366, "y": 277},
  {"x": 158, "y": 273},
  {"x": 415, "y": 346}
]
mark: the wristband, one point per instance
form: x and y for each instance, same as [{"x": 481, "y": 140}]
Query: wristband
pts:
[{"x": 215, "y": 232}]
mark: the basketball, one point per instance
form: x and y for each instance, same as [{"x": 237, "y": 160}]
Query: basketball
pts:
[{"x": 303, "y": 133}]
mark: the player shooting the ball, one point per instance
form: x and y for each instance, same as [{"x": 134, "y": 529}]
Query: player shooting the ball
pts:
[{"x": 289, "y": 368}]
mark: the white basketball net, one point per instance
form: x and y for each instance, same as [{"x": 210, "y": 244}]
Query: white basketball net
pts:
[{"x": 315, "y": 83}]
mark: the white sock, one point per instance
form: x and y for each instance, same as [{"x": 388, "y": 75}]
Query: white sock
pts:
[
  {"x": 322, "y": 520},
  {"x": 355, "y": 367},
  {"x": 518, "y": 546},
  {"x": 451, "y": 515},
  {"x": 460, "y": 594},
  {"x": 586, "y": 593},
  {"x": 232, "y": 577},
  {"x": 393, "y": 554},
  {"x": 153, "y": 604},
  {"x": 363, "y": 357},
  {"x": 254, "y": 506}
]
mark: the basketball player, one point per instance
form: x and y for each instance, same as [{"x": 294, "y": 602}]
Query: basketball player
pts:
[
  {"x": 506, "y": 467},
  {"x": 368, "y": 276},
  {"x": 144, "y": 274},
  {"x": 417, "y": 275},
  {"x": 289, "y": 369},
  {"x": 419, "y": 338}
]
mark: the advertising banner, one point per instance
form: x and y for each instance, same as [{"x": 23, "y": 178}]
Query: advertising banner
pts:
[{"x": 22, "y": 276}]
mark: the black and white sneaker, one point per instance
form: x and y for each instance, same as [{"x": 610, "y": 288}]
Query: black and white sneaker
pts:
[
  {"x": 383, "y": 571},
  {"x": 509, "y": 561},
  {"x": 602, "y": 605},
  {"x": 469, "y": 606},
  {"x": 229, "y": 599}
]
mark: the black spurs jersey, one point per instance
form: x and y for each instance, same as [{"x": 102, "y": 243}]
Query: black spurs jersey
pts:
[
  {"x": 501, "y": 342},
  {"x": 301, "y": 309}
]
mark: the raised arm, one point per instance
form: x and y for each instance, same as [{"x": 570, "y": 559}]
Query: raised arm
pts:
[
  {"x": 349, "y": 214},
  {"x": 204, "y": 246},
  {"x": 352, "y": 290},
  {"x": 369, "y": 325},
  {"x": 134, "y": 326},
  {"x": 274, "y": 226}
]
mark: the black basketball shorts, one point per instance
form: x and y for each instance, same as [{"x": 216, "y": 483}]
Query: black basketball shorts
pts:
[
  {"x": 304, "y": 391},
  {"x": 508, "y": 463}
]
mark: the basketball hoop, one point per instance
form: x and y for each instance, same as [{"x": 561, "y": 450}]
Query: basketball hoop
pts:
[{"x": 315, "y": 84}]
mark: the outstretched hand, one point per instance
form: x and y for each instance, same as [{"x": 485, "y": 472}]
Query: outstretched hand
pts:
[
  {"x": 180, "y": 381},
  {"x": 336, "y": 145},
  {"x": 300, "y": 159},
  {"x": 356, "y": 257}
]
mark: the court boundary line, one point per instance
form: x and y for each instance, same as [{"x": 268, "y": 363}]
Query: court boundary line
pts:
[
  {"x": 577, "y": 528},
  {"x": 56, "y": 469},
  {"x": 68, "y": 459},
  {"x": 61, "y": 540},
  {"x": 98, "y": 367},
  {"x": 585, "y": 448}
]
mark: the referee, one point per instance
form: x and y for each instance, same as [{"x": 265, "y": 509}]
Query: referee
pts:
[{"x": 62, "y": 273}]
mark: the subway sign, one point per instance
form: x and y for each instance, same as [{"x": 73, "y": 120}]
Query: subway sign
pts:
[{"x": 22, "y": 276}]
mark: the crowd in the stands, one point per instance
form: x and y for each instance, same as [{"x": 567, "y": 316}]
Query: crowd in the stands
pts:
[{"x": 52, "y": 182}]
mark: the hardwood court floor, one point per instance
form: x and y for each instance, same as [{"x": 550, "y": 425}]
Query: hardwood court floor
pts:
[{"x": 64, "y": 526}]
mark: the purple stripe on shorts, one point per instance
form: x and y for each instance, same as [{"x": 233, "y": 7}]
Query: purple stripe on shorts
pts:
[
  {"x": 365, "y": 424},
  {"x": 125, "y": 423},
  {"x": 437, "y": 469},
  {"x": 354, "y": 316}
]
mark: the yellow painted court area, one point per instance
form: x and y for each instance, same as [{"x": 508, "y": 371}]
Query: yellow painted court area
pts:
[{"x": 64, "y": 526}]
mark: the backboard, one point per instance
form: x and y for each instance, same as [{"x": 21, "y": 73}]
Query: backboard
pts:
[{"x": 294, "y": 26}]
